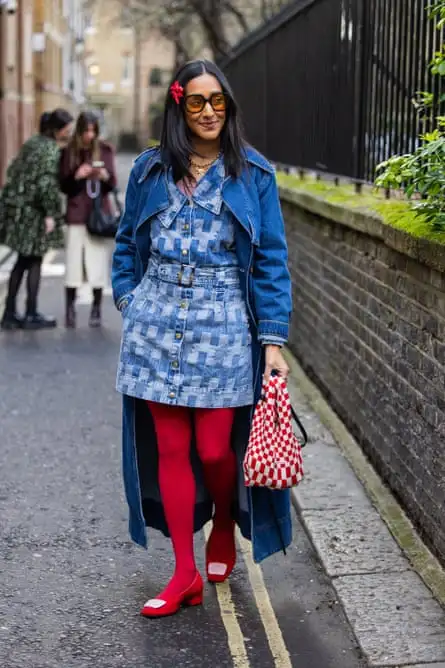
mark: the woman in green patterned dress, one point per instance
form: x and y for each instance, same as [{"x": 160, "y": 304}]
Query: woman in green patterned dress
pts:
[{"x": 31, "y": 216}]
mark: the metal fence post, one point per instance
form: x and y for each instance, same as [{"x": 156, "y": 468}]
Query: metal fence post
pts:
[{"x": 361, "y": 87}]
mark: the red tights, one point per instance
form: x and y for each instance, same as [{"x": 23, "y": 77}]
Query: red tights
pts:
[{"x": 173, "y": 425}]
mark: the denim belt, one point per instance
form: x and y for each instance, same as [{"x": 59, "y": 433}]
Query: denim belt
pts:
[{"x": 187, "y": 275}]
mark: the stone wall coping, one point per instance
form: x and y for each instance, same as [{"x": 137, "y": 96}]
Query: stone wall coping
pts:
[{"x": 425, "y": 251}]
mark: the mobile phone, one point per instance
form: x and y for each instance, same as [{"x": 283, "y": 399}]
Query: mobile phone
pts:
[{"x": 98, "y": 164}]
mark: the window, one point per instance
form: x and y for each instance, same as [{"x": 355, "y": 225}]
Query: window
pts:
[
  {"x": 127, "y": 68},
  {"x": 66, "y": 65},
  {"x": 11, "y": 41},
  {"x": 155, "y": 78},
  {"x": 89, "y": 27}
]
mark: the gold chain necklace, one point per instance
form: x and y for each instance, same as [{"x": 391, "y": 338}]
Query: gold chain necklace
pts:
[{"x": 200, "y": 169}]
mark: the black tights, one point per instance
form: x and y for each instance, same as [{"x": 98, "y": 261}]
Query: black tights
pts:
[{"x": 32, "y": 264}]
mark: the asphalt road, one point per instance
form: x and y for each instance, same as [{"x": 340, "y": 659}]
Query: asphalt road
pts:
[{"x": 71, "y": 583}]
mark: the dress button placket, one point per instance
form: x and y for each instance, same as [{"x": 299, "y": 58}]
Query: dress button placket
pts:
[
  {"x": 187, "y": 229},
  {"x": 185, "y": 225}
]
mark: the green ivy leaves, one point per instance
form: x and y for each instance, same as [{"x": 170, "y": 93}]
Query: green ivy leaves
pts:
[{"x": 421, "y": 175}]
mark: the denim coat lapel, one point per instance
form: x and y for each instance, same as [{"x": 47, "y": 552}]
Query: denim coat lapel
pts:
[
  {"x": 236, "y": 197},
  {"x": 155, "y": 197}
]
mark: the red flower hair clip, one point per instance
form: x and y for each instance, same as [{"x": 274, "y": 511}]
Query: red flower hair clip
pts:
[{"x": 177, "y": 91}]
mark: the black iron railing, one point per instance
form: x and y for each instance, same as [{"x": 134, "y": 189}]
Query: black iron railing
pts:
[{"x": 328, "y": 85}]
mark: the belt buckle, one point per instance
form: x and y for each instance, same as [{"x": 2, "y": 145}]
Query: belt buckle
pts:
[{"x": 181, "y": 274}]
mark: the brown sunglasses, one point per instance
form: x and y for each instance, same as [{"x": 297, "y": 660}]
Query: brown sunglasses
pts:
[{"x": 194, "y": 104}]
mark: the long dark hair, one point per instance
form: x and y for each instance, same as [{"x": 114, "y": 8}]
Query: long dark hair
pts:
[
  {"x": 176, "y": 138},
  {"x": 44, "y": 122},
  {"x": 75, "y": 147},
  {"x": 56, "y": 121}
]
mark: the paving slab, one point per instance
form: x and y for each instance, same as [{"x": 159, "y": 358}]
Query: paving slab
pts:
[
  {"x": 329, "y": 480},
  {"x": 425, "y": 665},
  {"x": 354, "y": 540},
  {"x": 5, "y": 264},
  {"x": 4, "y": 252},
  {"x": 395, "y": 618}
]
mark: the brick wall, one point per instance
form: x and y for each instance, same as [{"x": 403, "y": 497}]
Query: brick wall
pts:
[{"x": 369, "y": 326}]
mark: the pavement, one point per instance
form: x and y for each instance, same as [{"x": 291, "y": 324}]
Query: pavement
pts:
[
  {"x": 5, "y": 254},
  {"x": 391, "y": 588},
  {"x": 347, "y": 595}
]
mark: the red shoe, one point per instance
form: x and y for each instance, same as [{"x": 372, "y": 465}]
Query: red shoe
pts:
[
  {"x": 159, "y": 607},
  {"x": 220, "y": 554}
]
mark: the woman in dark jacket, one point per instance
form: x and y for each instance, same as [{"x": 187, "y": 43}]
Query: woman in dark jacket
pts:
[
  {"x": 87, "y": 162},
  {"x": 31, "y": 215}
]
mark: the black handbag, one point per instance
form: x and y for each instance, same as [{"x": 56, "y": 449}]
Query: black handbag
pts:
[{"x": 100, "y": 223}]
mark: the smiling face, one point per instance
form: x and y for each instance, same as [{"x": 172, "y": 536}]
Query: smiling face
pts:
[{"x": 205, "y": 107}]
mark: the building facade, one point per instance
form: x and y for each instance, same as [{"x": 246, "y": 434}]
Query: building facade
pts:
[
  {"x": 126, "y": 73},
  {"x": 58, "y": 55},
  {"x": 41, "y": 66},
  {"x": 16, "y": 78}
]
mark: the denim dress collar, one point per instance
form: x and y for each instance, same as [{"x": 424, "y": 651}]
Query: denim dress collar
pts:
[{"x": 207, "y": 193}]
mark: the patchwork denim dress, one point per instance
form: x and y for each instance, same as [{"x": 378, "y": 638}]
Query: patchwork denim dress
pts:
[{"x": 186, "y": 338}]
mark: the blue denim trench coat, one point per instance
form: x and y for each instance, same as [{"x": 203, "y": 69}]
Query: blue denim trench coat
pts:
[{"x": 264, "y": 516}]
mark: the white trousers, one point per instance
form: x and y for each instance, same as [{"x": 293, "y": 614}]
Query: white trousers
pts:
[{"x": 85, "y": 254}]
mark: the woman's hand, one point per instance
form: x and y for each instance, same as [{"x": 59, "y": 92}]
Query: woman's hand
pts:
[
  {"x": 83, "y": 172},
  {"x": 49, "y": 224},
  {"x": 275, "y": 362},
  {"x": 103, "y": 174}
]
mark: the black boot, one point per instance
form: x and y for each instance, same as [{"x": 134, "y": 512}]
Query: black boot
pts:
[
  {"x": 70, "y": 311},
  {"x": 11, "y": 319},
  {"x": 96, "y": 310},
  {"x": 39, "y": 321}
]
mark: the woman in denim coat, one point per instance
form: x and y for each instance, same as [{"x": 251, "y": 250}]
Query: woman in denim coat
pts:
[{"x": 200, "y": 276}]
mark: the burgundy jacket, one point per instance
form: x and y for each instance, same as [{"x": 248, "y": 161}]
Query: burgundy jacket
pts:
[{"x": 79, "y": 205}]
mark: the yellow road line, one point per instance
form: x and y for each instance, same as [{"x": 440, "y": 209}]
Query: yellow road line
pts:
[
  {"x": 272, "y": 628},
  {"x": 235, "y": 637}
]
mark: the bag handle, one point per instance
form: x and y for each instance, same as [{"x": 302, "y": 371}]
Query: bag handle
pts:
[
  {"x": 297, "y": 420},
  {"x": 119, "y": 207},
  {"x": 94, "y": 194},
  {"x": 300, "y": 426}
]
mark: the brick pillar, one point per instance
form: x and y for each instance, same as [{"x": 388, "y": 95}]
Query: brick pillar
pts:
[
  {"x": 11, "y": 116},
  {"x": 8, "y": 87},
  {"x": 25, "y": 67},
  {"x": 2, "y": 95}
]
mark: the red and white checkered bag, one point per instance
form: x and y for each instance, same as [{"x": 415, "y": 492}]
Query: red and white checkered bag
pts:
[{"x": 273, "y": 458}]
